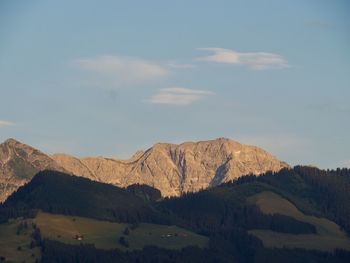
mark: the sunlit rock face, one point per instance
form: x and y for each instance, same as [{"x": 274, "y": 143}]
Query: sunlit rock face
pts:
[
  {"x": 19, "y": 163},
  {"x": 174, "y": 169}
]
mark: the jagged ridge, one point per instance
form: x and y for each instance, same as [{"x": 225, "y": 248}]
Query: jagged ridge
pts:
[{"x": 171, "y": 168}]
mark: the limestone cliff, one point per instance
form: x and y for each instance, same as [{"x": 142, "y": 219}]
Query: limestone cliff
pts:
[
  {"x": 171, "y": 168},
  {"x": 19, "y": 163},
  {"x": 187, "y": 167}
]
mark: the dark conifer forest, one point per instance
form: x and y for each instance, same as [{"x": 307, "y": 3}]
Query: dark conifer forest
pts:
[{"x": 220, "y": 213}]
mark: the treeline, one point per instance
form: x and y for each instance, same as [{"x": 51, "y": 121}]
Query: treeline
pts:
[
  {"x": 14, "y": 212},
  {"x": 332, "y": 192},
  {"x": 206, "y": 212},
  {"x": 324, "y": 193},
  {"x": 145, "y": 192},
  {"x": 327, "y": 191},
  {"x": 221, "y": 213},
  {"x": 55, "y": 192},
  {"x": 59, "y": 193},
  {"x": 53, "y": 251}
]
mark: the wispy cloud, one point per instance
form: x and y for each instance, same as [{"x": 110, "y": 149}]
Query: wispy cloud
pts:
[
  {"x": 253, "y": 60},
  {"x": 4, "y": 124},
  {"x": 178, "y": 96},
  {"x": 119, "y": 70}
]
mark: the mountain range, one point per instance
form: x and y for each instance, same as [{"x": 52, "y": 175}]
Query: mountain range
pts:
[
  {"x": 174, "y": 169},
  {"x": 228, "y": 202}
]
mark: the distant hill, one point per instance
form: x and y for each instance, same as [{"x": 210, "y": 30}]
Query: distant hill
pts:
[
  {"x": 173, "y": 169},
  {"x": 56, "y": 192},
  {"x": 313, "y": 191}
]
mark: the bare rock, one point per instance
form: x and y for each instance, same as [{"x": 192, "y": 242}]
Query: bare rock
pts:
[
  {"x": 171, "y": 168},
  {"x": 19, "y": 163}
]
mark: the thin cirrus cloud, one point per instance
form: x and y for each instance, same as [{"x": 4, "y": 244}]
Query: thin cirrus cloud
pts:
[
  {"x": 5, "y": 124},
  {"x": 178, "y": 96},
  {"x": 253, "y": 60},
  {"x": 119, "y": 70}
]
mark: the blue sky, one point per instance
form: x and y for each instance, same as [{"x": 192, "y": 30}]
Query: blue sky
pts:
[{"x": 111, "y": 77}]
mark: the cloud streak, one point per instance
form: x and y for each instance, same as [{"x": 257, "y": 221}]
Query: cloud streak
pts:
[
  {"x": 119, "y": 70},
  {"x": 178, "y": 96},
  {"x": 5, "y": 124},
  {"x": 253, "y": 60}
]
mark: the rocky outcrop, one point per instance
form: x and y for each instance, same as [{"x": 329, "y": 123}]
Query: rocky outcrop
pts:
[
  {"x": 74, "y": 166},
  {"x": 171, "y": 168},
  {"x": 19, "y": 163},
  {"x": 188, "y": 167}
]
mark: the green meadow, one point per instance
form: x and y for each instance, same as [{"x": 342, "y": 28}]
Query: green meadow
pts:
[
  {"x": 329, "y": 236},
  {"x": 14, "y": 245},
  {"x": 106, "y": 235}
]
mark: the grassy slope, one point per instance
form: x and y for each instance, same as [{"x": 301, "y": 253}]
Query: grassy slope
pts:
[
  {"x": 105, "y": 234},
  {"x": 9, "y": 242},
  {"x": 328, "y": 237}
]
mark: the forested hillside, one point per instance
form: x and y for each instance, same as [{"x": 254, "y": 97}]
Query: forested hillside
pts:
[
  {"x": 222, "y": 213},
  {"x": 56, "y": 192}
]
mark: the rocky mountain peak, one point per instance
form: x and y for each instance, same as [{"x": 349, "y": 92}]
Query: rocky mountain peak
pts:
[
  {"x": 19, "y": 163},
  {"x": 11, "y": 141},
  {"x": 174, "y": 169}
]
